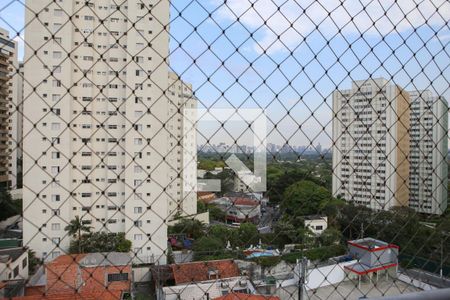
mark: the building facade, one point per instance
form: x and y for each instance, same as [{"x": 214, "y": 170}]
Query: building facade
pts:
[
  {"x": 182, "y": 148},
  {"x": 429, "y": 147},
  {"x": 371, "y": 144},
  {"x": 8, "y": 100},
  {"x": 95, "y": 135}
]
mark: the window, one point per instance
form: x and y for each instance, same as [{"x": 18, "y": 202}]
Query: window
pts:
[
  {"x": 55, "y": 155},
  {"x": 56, "y": 126},
  {"x": 56, "y": 240},
  {"x": 56, "y": 198},
  {"x": 117, "y": 277},
  {"x": 138, "y": 237},
  {"x": 55, "y": 254},
  {"x": 16, "y": 271},
  {"x": 56, "y": 212},
  {"x": 138, "y": 210},
  {"x": 24, "y": 262},
  {"x": 56, "y": 97},
  {"x": 55, "y": 170},
  {"x": 58, "y": 12},
  {"x": 138, "y": 223},
  {"x": 56, "y": 226},
  {"x": 57, "y": 54}
]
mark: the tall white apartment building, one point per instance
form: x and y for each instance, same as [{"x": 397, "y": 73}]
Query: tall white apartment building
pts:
[
  {"x": 371, "y": 144},
  {"x": 9, "y": 89},
  {"x": 429, "y": 147},
  {"x": 182, "y": 148},
  {"x": 95, "y": 138}
]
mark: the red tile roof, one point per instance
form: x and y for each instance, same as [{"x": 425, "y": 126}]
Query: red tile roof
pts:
[
  {"x": 244, "y": 201},
  {"x": 203, "y": 270},
  {"x": 97, "y": 295},
  {"x": 241, "y": 296}
]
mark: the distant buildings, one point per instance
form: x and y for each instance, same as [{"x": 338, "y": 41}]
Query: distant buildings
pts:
[
  {"x": 371, "y": 144},
  {"x": 238, "y": 209},
  {"x": 390, "y": 147},
  {"x": 428, "y": 158},
  {"x": 317, "y": 224}
]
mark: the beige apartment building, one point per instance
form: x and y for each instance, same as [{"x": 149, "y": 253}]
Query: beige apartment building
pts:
[
  {"x": 95, "y": 136},
  {"x": 429, "y": 147},
  {"x": 371, "y": 144},
  {"x": 182, "y": 148},
  {"x": 9, "y": 95}
]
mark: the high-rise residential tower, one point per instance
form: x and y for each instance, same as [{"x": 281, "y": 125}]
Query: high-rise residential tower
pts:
[
  {"x": 371, "y": 144},
  {"x": 95, "y": 139},
  {"x": 182, "y": 148},
  {"x": 9, "y": 95},
  {"x": 429, "y": 147}
]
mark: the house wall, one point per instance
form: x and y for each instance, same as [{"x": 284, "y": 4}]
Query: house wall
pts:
[{"x": 7, "y": 270}]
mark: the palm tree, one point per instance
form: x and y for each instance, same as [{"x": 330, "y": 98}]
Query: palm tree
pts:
[{"x": 76, "y": 228}]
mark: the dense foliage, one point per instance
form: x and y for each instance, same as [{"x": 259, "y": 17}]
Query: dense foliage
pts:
[{"x": 100, "y": 242}]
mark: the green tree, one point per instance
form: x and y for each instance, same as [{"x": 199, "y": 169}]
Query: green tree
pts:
[
  {"x": 101, "y": 242},
  {"x": 190, "y": 227},
  {"x": 76, "y": 228},
  {"x": 248, "y": 234},
  {"x": 207, "y": 246},
  {"x": 201, "y": 207},
  {"x": 9, "y": 207},
  {"x": 330, "y": 236},
  {"x": 304, "y": 198},
  {"x": 216, "y": 214}
]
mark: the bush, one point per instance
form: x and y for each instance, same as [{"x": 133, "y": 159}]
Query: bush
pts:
[
  {"x": 316, "y": 254},
  {"x": 101, "y": 242},
  {"x": 267, "y": 261}
]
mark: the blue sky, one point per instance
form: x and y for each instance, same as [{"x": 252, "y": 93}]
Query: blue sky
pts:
[{"x": 299, "y": 71}]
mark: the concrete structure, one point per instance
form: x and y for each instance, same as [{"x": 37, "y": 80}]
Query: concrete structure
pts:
[
  {"x": 206, "y": 280},
  {"x": 371, "y": 144},
  {"x": 8, "y": 101},
  {"x": 13, "y": 264},
  {"x": 317, "y": 224},
  {"x": 429, "y": 147},
  {"x": 95, "y": 137},
  {"x": 182, "y": 148},
  {"x": 244, "y": 180},
  {"x": 373, "y": 257},
  {"x": 85, "y": 276},
  {"x": 239, "y": 209}
]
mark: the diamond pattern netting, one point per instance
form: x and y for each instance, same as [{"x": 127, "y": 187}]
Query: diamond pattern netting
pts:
[{"x": 120, "y": 110}]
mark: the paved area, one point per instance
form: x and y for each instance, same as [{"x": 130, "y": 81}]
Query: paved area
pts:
[{"x": 349, "y": 290}]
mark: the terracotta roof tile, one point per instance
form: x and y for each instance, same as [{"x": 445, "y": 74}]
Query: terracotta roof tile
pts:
[{"x": 204, "y": 270}]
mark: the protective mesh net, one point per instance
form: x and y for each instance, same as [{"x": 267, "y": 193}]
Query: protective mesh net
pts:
[{"x": 240, "y": 149}]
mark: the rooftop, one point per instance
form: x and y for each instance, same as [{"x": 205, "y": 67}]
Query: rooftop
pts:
[
  {"x": 204, "y": 270},
  {"x": 11, "y": 253},
  {"x": 10, "y": 243},
  {"x": 315, "y": 217},
  {"x": 94, "y": 259},
  {"x": 241, "y": 296},
  {"x": 371, "y": 244}
]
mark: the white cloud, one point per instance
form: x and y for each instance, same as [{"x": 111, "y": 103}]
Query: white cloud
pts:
[{"x": 292, "y": 20}]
